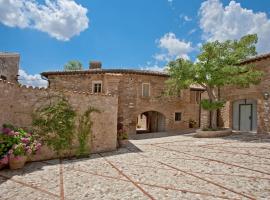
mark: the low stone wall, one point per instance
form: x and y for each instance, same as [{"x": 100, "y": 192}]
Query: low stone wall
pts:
[{"x": 17, "y": 103}]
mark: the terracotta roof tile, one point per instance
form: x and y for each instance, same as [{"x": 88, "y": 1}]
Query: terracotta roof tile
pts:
[
  {"x": 104, "y": 71},
  {"x": 256, "y": 58}
]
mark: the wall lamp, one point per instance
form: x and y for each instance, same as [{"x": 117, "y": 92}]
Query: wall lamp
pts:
[{"x": 266, "y": 95}]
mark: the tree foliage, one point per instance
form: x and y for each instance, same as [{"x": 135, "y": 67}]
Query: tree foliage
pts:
[
  {"x": 73, "y": 65},
  {"x": 217, "y": 65}
]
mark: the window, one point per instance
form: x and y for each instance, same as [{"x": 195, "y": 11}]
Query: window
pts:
[
  {"x": 178, "y": 116},
  {"x": 3, "y": 77},
  {"x": 146, "y": 89},
  {"x": 97, "y": 86}
]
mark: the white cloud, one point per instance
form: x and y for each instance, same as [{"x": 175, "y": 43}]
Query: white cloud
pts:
[
  {"x": 31, "y": 80},
  {"x": 233, "y": 22},
  {"x": 154, "y": 68},
  {"x": 192, "y": 31},
  {"x": 187, "y": 18},
  {"x": 172, "y": 48},
  {"x": 61, "y": 19}
]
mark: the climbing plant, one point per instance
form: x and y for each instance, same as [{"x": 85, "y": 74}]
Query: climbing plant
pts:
[
  {"x": 55, "y": 123},
  {"x": 84, "y": 131}
]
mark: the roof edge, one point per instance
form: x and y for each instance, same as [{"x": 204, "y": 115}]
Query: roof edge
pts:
[
  {"x": 104, "y": 71},
  {"x": 256, "y": 58}
]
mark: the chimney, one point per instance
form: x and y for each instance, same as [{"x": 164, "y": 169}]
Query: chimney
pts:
[{"x": 95, "y": 65}]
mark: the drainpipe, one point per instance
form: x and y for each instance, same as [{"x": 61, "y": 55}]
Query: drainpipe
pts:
[{"x": 200, "y": 110}]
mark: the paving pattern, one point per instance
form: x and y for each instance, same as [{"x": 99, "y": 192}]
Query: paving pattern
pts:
[{"x": 175, "y": 167}]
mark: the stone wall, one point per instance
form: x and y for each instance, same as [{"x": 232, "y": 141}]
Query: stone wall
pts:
[
  {"x": 254, "y": 92},
  {"x": 18, "y": 103},
  {"x": 9, "y": 66},
  {"x": 128, "y": 87},
  {"x": 132, "y": 103}
]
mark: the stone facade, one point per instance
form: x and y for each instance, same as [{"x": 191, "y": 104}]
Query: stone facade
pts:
[
  {"x": 9, "y": 66},
  {"x": 128, "y": 85},
  {"x": 18, "y": 103},
  {"x": 254, "y": 95}
]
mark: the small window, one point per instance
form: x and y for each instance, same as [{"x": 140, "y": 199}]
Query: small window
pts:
[
  {"x": 178, "y": 116},
  {"x": 3, "y": 77},
  {"x": 146, "y": 89},
  {"x": 97, "y": 87}
]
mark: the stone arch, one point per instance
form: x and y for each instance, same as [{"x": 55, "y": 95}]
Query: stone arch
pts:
[{"x": 150, "y": 121}]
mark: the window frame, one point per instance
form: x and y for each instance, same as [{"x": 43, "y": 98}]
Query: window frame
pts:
[
  {"x": 181, "y": 115},
  {"x": 149, "y": 91},
  {"x": 3, "y": 77},
  {"x": 93, "y": 86}
]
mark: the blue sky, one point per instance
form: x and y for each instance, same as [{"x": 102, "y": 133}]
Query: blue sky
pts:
[{"x": 124, "y": 33}]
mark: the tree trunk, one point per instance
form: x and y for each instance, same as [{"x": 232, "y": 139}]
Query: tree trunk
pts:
[
  {"x": 213, "y": 119},
  {"x": 212, "y": 98}
]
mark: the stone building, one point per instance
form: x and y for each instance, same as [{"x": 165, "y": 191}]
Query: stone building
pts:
[
  {"x": 142, "y": 105},
  {"x": 9, "y": 66},
  {"x": 246, "y": 109},
  {"x": 18, "y": 103}
]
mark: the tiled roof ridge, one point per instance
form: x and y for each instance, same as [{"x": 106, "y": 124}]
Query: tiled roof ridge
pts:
[
  {"x": 256, "y": 58},
  {"x": 104, "y": 71},
  {"x": 31, "y": 88},
  {"x": 9, "y": 54}
]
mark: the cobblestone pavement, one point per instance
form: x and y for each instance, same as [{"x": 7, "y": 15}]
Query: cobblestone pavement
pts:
[{"x": 175, "y": 167}]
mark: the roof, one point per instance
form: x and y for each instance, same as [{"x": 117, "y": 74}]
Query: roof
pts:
[
  {"x": 104, "y": 71},
  {"x": 256, "y": 58},
  {"x": 8, "y": 54},
  {"x": 135, "y": 71}
]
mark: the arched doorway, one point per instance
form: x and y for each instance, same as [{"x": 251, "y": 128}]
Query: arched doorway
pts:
[
  {"x": 149, "y": 122},
  {"x": 245, "y": 115}
]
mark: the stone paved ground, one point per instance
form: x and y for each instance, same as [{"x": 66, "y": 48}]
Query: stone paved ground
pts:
[{"x": 175, "y": 167}]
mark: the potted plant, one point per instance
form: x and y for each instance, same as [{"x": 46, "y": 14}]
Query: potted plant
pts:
[
  {"x": 3, "y": 161},
  {"x": 5, "y": 145},
  {"x": 192, "y": 123},
  {"x": 20, "y": 145},
  {"x": 122, "y": 138}
]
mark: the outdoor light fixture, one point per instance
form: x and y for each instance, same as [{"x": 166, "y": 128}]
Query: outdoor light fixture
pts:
[{"x": 266, "y": 95}]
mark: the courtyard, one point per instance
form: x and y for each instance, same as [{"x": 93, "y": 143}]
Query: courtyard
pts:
[{"x": 173, "y": 167}]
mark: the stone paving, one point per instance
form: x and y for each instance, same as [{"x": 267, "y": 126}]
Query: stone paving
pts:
[{"x": 175, "y": 167}]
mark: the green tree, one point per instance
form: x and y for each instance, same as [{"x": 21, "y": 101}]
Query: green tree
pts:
[
  {"x": 217, "y": 65},
  {"x": 73, "y": 65}
]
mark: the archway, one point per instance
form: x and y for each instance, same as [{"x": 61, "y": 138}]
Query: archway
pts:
[
  {"x": 245, "y": 115},
  {"x": 149, "y": 122}
]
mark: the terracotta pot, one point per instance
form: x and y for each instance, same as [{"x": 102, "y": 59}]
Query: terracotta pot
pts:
[
  {"x": 2, "y": 166},
  {"x": 123, "y": 143},
  {"x": 17, "y": 162},
  {"x": 3, "y": 162}
]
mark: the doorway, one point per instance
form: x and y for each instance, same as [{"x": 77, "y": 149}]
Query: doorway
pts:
[
  {"x": 245, "y": 115},
  {"x": 149, "y": 122}
]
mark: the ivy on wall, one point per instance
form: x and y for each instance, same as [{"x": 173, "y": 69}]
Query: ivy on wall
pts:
[
  {"x": 55, "y": 123},
  {"x": 85, "y": 131}
]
